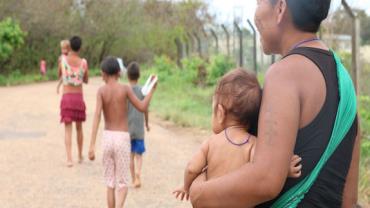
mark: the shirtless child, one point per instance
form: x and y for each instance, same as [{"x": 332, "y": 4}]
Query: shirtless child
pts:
[
  {"x": 236, "y": 105},
  {"x": 112, "y": 101}
]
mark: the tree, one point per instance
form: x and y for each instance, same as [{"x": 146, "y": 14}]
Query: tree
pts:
[
  {"x": 11, "y": 37},
  {"x": 340, "y": 23}
]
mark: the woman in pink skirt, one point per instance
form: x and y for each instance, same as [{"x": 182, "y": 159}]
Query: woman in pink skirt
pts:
[{"x": 73, "y": 70}]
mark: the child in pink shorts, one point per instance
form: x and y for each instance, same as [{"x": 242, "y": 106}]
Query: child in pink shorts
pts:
[{"x": 112, "y": 101}]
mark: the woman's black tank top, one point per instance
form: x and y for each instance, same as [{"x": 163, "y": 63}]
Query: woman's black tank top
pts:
[{"x": 312, "y": 140}]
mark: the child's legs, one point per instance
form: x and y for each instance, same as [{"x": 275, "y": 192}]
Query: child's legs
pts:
[
  {"x": 132, "y": 167},
  {"x": 110, "y": 198},
  {"x": 121, "y": 197},
  {"x": 139, "y": 163},
  {"x": 68, "y": 140},
  {"x": 79, "y": 138},
  {"x": 122, "y": 156}
]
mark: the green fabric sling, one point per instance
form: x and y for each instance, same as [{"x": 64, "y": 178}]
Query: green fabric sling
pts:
[{"x": 344, "y": 119}]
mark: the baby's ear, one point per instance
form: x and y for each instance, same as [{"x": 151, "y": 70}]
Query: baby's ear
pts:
[{"x": 220, "y": 114}]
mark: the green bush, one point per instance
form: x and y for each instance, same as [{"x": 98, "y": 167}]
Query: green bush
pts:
[
  {"x": 218, "y": 66},
  {"x": 164, "y": 67},
  {"x": 192, "y": 69},
  {"x": 11, "y": 37}
]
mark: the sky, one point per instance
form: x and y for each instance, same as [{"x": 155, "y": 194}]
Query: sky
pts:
[{"x": 225, "y": 10}]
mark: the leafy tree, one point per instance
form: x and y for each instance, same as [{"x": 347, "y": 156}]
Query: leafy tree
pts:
[{"x": 11, "y": 37}]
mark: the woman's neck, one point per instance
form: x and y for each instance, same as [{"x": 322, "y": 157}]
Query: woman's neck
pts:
[
  {"x": 289, "y": 40},
  {"x": 73, "y": 53}
]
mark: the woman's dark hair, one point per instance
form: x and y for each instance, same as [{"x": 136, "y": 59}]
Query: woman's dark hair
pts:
[
  {"x": 75, "y": 43},
  {"x": 110, "y": 66},
  {"x": 133, "y": 71},
  {"x": 240, "y": 94},
  {"x": 307, "y": 15}
]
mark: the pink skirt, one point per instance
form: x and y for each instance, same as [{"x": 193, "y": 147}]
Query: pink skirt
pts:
[{"x": 72, "y": 108}]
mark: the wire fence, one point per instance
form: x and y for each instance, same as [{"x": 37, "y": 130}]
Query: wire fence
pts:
[{"x": 237, "y": 41}]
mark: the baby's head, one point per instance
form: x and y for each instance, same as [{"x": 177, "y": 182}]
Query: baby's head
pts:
[
  {"x": 110, "y": 67},
  {"x": 133, "y": 71},
  {"x": 65, "y": 47},
  {"x": 236, "y": 101}
]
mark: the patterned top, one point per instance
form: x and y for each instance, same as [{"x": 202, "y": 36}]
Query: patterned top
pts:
[{"x": 73, "y": 75}]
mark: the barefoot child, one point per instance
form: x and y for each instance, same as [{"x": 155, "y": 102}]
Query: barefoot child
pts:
[
  {"x": 136, "y": 125},
  {"x": 65, "y": 47},
  {"x": 236, "y": 105},
  {"x": 112, "y": 101}
]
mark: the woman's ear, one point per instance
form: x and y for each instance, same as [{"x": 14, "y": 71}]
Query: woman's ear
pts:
[
  {"x": 282, "y": 8},
  {"x": 220, "y": 114}
]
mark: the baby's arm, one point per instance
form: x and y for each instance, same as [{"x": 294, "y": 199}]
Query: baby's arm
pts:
[
  {"x": 97, "y": 116},
  {"x": 195, "y": 166},
  {"x": 140, "y": 105}
]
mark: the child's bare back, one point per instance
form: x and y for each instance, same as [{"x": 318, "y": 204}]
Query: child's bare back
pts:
[
  {"x": 114, "y": 99},
  {"x": 224, "y": 157}
]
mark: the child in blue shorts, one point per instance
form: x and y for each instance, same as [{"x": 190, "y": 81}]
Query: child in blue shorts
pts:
[{"x": 136, "y": 121}]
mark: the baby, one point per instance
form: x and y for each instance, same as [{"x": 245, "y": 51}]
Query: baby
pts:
[{"x": 236, "y": 104}]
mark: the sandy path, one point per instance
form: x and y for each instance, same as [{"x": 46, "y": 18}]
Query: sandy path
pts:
[{"x": 32, "y": 155}]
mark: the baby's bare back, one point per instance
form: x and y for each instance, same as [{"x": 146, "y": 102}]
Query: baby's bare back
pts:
[
  {"x": 224, "y": 157},
  {"x": 114, "y": 97}
]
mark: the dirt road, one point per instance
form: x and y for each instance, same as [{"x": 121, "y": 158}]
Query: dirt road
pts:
[{"x": 32, "y": 155}]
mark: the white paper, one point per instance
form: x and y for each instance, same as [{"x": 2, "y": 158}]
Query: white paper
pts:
[
  {"x": 121, "y": 65},
  {"x": 149, "y": 84}
]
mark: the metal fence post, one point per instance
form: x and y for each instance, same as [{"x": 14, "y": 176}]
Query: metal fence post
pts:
[
  {"x": 355, "y": 45},
  {"x": 199, "y": 48},
  {"x": 227, "y": 39},
  {"x": 192, "y": 48},
  {"x": 179, "y": 51},
  {"x": 240, "y": 35},
  {"x": 254, "y": 45},
  {"x": 216, "y": 39}
]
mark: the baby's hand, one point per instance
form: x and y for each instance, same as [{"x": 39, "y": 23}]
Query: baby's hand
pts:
[
  {"x": 181, "y": 194},
  {"x": 295, "y": 170},
  {"x": 92, "y": 154}
]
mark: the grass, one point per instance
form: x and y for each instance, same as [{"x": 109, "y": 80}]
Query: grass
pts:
[{"x": 180, "y": 102}]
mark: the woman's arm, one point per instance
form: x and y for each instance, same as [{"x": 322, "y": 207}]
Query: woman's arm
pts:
[
  {"x": 350, "y": 192},
  {"x": 263, "y": 178},
  {"x": 59, "y": 84},
  {"x": 140, "y": 105},
  {"x": 86, "y": 74}
]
